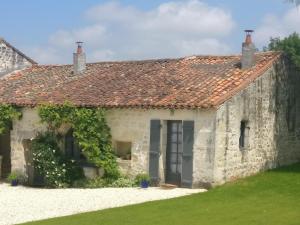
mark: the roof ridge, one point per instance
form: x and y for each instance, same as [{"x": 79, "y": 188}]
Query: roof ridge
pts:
[{"x": 163, "y": 59}]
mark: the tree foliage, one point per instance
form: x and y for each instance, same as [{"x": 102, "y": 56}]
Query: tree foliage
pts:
[
  {"x": 289, "y": 45},
  {"x": 297, "y": 2},
  {"x": 89, "y": 128}
]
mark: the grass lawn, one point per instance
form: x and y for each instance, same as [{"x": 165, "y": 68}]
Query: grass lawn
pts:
[{"x": 269, "y": 198}]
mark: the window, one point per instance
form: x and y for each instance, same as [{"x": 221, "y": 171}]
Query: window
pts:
[
  {"x": 123, "y": 150},
  {"x": 243, "y": 141},
  {"x": 72, "y": 148}
]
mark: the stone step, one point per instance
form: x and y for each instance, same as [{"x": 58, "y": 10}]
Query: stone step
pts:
[{"x": 168, "y": 186}]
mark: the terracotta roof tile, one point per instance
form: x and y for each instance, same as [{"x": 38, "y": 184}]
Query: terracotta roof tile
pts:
[{"x": 192, "y": 82}]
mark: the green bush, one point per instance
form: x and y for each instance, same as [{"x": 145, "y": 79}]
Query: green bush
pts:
[
  {"x": 123, "y": 182},
  {"x": 104, "y": 183},
  {"x": 94, "y": 183},
  {"x": 50, "y": 162}
]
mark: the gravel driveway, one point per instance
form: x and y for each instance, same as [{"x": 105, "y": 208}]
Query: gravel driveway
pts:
[{"x": 23, "y": 204}]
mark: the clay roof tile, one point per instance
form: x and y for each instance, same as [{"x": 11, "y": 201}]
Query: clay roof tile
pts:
[{"x": 191, "y": 82}]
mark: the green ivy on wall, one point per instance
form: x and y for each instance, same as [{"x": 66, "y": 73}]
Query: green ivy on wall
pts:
[
  {"x": 89, "y": 128},
  {"x": 7, "y": 114}
]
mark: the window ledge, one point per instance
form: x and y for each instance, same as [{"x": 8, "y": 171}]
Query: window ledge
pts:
[{"x": 123, "y": 160}]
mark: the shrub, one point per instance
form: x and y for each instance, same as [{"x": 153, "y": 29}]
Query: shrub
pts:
[
  {"x": 104, "y": 183},
  {"x": 96, "y": 183},
  {"x": 123, "y": 182},
  {"x": 49, "y": 162}
]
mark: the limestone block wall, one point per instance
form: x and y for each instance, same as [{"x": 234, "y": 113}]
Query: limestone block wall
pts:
[
  {"x": 270, "y": 143},
  {"x": 26, "y": 128},
  {"x": 11, "y": 60},
  {"x": 132, "y": 125}
]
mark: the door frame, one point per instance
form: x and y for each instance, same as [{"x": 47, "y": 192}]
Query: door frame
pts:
[
  {"x": 158, "y": 151},
  {"x": 169, "y": 177}
]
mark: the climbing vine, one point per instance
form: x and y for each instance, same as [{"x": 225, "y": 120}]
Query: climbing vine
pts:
[
  {"x": 90, "y": 130},
  {"x": 7, "y": 114}
]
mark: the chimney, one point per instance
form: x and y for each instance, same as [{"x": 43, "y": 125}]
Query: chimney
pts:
[
  {"x": 79, "y": 59},
  {"x": 248, "y": 51}
]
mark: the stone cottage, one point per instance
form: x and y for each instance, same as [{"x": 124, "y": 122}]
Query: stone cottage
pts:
[{"x": 193, "y": 121}]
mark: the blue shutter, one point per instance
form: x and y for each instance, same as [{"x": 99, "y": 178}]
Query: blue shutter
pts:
[
  {"x": 154, "y": 151},
  {"x": 187, "y": 155}
]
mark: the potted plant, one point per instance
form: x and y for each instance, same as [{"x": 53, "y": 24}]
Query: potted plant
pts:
[
  {"x": 143, "y": 180},
  {"x": 14, "y": 178}
]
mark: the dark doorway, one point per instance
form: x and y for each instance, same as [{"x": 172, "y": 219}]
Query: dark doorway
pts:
[
  {"x": 174, "y": 153},
  {"x": 5, "y": 153},
  {"x": 72, "y": 149},
  {"x": 34, "y": 178}
]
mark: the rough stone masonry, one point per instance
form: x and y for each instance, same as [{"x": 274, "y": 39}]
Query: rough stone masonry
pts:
[{"x": 11, "y": 59}]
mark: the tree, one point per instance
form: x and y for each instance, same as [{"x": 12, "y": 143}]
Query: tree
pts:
[
  {"x": 289, "y": 45},
  {"x": 297, "y": 2}
]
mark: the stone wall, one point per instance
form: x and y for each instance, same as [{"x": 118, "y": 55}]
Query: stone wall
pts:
[
  {"x": 24, "y": 129},
  {"x": 132, "y": 126},
  {"x": 264, "y": 105},
  {"x": 10, "y": 59}
]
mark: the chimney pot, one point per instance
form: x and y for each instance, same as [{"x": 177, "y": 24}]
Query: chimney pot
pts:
[
  {"x": 79, "y": 47},
  {"x": 79, "y": 59},
  {"x": 248, "y": 51}
]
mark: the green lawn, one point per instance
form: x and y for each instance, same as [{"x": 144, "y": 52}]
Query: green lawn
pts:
[{"x": 266, "y": 199}]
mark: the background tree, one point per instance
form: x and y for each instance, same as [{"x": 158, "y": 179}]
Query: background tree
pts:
[
  {"x": 297, "y": 2},
  {"x": 289, "y": 45}
]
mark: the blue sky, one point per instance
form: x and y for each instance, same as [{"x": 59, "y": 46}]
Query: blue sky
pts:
[{"x": 138, "y": 29}]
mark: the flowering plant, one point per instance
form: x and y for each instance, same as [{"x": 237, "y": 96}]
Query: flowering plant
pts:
[{"x": 57, "y": 170}]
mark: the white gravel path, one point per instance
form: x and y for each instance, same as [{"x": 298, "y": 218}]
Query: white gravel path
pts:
[{"x": 23, "y": 204}]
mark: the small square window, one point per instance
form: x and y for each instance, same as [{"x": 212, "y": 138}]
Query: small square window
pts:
[{"x": 123, "y": 150}]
